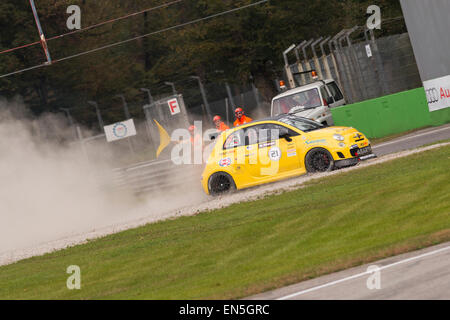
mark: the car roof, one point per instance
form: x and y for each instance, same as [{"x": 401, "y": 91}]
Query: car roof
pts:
[
  {"x": 306, "y": 87},
  {"x": 268, "y": 119}
]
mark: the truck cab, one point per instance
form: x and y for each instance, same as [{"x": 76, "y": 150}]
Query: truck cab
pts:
[{"x": 312, "y": 101}]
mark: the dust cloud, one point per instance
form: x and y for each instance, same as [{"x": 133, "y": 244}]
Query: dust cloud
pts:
[{"x": 49, "y": 190}]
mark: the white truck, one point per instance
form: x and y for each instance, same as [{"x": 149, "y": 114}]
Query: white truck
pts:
[{"x": 312, "y": 101}]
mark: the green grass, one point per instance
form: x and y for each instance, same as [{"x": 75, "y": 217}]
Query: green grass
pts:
[{"x": 333, "y": 223}]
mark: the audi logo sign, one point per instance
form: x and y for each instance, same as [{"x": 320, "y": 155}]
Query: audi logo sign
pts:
[
  {"x": 432, "y": 95},
  {"x": 438, "y": 93}
]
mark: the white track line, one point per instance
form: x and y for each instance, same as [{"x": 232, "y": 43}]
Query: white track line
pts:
[
  {"x": 362, "y": 274},
  {"x": 410, "y": 137}
]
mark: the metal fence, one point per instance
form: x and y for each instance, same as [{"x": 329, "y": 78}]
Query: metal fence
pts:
[
  {"x": 366, "y": 67},
  {"x": 249, "y": 98},
  {"x": 161, "y": 112}
]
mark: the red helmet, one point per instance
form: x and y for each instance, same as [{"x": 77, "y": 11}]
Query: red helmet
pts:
[
  {"x": 192, "y": 128},
  {"x": 217, "y": 118},
  {"x": 239, "y": 110}
]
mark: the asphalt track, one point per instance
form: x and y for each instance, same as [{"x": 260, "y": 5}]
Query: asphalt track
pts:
[
  {"x": 413, "y": 140},
  {"x": 422, "y": 274}
]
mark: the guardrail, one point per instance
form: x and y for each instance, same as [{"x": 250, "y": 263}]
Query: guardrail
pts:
[{"x": 156, "y": 176}]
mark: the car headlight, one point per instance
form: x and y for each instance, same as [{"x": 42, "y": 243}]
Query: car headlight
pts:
[{"x": 338, "y": 137}]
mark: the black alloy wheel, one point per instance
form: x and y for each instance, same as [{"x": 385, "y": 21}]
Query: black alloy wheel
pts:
[
  {"x": 319, "y": 160},
  {"x": 220, "y": 183}
]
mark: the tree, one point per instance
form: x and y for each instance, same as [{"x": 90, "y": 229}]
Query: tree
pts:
[{"x": 244, "y": 44}]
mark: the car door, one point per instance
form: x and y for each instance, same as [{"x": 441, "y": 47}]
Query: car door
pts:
[
  {"x": 336, "y": 94},
  {"x": 233, "y": 156},
  {"x": 325, "y": 116},
  {"x": 269, "y": 154}
]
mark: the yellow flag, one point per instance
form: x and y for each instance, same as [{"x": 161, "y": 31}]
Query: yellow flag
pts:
[{"x": 164, "y": 139}]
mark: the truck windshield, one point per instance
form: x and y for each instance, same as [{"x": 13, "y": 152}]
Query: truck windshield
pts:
[
  {"x": 303, "y": 124},
  {"x": 308, "y": 99}
]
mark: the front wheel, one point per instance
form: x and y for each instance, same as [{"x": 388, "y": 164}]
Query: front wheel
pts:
[
  {"x": 319, "y": 160},
  {"x": 220, "y": 183}
]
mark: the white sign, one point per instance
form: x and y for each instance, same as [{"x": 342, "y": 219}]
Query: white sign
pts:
[
  {"x": 438, "y": 93},
  {"x": 368, "y": 51},
  {"x": 275, "y": 154},
  {"x": 120, "y": 130},
  {"x": 174, "y": 106}
]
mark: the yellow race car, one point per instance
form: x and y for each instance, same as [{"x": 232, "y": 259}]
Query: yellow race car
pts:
[{"x": 277, "y": 148}]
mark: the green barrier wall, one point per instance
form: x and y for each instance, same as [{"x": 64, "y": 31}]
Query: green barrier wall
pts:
[{"x": 390, "y": 114}]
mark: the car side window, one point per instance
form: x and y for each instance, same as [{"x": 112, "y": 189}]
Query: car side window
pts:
[
  {"x": 251, "y": 135},
  {"x": 324, "y": 93},
  {"x": 256, "y": 134},
  {"x": 267, "y": 131},
  {"x": 335, "y": 92},
  {"x": 234, "y": 140}
]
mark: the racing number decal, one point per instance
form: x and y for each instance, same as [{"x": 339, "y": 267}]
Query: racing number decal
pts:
[{"x": 275, "y": 154}]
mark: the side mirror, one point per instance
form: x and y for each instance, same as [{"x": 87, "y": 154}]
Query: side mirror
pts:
[
  {"x": 213, "y": 136},
  {"x": 284, "y": 133}
]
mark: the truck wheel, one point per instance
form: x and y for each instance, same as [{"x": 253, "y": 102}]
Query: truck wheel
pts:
[
  {"x": 220, "y": 183},
  {"x": 319, "y": 160}
]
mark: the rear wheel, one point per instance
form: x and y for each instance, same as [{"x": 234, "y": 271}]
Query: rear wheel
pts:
[
  {"x": 220, "y": 183},
  {"x": 319, "y": 160}
]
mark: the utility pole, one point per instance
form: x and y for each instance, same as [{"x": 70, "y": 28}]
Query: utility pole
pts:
[
  {"x": 150, "y": 97},
  {"x": 150, "y": 126},
  {"x": 202, "y": 90},
  {"x": 127, "y": 116},
  {"x": 152, "y": 101},
  {"x": 99, "y": 116},
  {"x": 255, "y": 91},
  {"x": 286, "y": 66},
  {"x": 227, "y": 87},
  {"x": 41, "y": 33},
  {"x": 173, "y": 87},
  {"x": 226, "y": 111},
  {"x": 82, "y": 144},
  {"x": 125, "y": 106},
  {"x": 69, "y": 117},
  {"x": 230, "y": 95}
]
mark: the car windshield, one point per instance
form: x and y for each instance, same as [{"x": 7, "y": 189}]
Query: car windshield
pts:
[
  {"x": 307, "y": 99},
  {"x": 302, "y": 124}
]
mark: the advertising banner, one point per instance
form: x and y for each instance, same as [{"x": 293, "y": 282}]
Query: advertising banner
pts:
[
  {"x": 120, "y": 130},
  {"x": 438, "y": 93}
]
